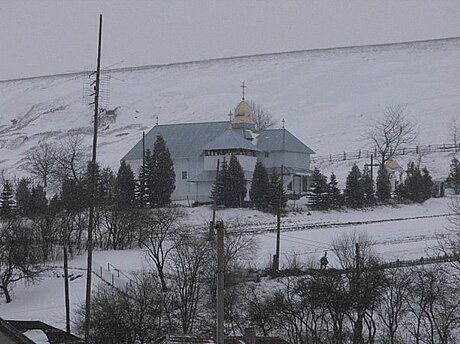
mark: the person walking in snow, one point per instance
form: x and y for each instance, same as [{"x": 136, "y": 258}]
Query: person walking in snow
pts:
[{"x": 323, "y": 261}]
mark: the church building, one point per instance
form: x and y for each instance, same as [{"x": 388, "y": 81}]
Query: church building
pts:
[{"x": 195, "y": 149}]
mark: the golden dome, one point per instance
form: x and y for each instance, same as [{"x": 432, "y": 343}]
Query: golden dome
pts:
[{"x": 243, "y": 113}]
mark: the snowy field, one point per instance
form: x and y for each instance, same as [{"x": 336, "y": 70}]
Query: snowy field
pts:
[{"x": 395, "y": 237}]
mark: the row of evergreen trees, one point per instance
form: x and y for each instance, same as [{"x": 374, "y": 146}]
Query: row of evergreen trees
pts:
[
  {"x": 265, "y": 194},
  {"x": 360, "y": 190}
]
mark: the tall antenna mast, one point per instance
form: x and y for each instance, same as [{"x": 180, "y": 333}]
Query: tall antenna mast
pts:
[{"x": 93, "y": 189}]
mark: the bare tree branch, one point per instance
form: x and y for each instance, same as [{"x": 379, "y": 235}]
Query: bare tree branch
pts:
[
  {"x": 390, "y": 133},
  {"x": 261, "y": 117}
]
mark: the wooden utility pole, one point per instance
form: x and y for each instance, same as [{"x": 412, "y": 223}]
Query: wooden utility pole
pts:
[
  {"x": 214, "y": 205},
  {"x": 276, "y": 257},
  {"x": 65, "y": 241},
  {"x": 93, "y": 189},
  {"x": 220, "y": 282}
]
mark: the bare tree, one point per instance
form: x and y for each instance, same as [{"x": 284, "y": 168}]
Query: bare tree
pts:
[
  {"x": 160, "y": 227},
  {"x": 261, "y": 117},
  {"x": 19, "y": 255},
  {"x": 390, "y": 133},
  {"x": 190, "y": 258},
  {"x": 393, "y": 306},
  {"x": 41, "y": 163},
  {"x": 366, "y": 281},
  {"x": 454, "y": 132},
  {"x": 71, "y": 157}
]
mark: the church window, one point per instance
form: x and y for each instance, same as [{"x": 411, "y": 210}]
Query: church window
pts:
[
  {"x": 266, "y": 154},
  {"x": 184, "y": 175},
  {"x": 289, "y": 186}
]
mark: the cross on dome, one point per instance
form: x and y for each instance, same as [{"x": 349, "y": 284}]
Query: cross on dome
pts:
[{"x": 243, "y": 86}]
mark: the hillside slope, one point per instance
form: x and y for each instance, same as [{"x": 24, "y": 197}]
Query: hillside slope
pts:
[{"x": 327, "y": 97}]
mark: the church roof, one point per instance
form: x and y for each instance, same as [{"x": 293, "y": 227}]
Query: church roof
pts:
[
  {"x": 272, "y": 140},
  {"x": 183, "y": 140},
  {"x": 230, "y": 139}
]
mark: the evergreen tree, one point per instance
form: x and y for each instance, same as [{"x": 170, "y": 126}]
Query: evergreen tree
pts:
[
  {"x": 74, "y": 196},
  {"x": 7, "y": 204},
  {"x": 354, "y": 193},
  {"x": 38, "y": 202},
  {"x": 276, "y": 193},
  {"x": 453, "y": 179},
  {"x": 335, "y": 196},
  {"x": 145, "y": 182},
  {"x": 318, "y": 194},
  {"x": 125, "y": 185},
  {"x": 259, "y": 187},
  {"x": 368, "y": 187},
  {"x": 383, "y": 185},
  {"x": 236, "y": 187},
  {"x": 23, "y": 197},
  {"x": 428, "y": 184},
  {"x": 164, "y": 177},
  {"x": 218, "y": 192},
  {"x": 416, "y": 187},
  {"x": 106, "y": 187}
]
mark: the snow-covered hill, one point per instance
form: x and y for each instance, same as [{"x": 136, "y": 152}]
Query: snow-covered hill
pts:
[{"x": 327, "y": 97}]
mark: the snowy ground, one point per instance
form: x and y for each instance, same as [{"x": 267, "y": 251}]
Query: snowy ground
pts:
[{"x": 396, "y": 237}]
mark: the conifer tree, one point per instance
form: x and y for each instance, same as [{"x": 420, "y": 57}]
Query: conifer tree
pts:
[
  {"x": 38, "y": 202},
  {"x": 7, "y": 204},
  {"x": 368, "y": 188},
  {"x": 218, "y": 192},
  {"x": 416, "y": 187},
  {"x": 236, "y": 187},
  {"x": 335, "y": 196},
  {"x": 318, "y": 195},
  {"x": 259, "y": 187},
  {"x": 453, "y": 179},
  {"x": 164, "y": 177},
  {"x": 383, "y": 185},
  {"x": 23, "y": 197},
  {"x": 354, "y": 193},
  {"x": 276, "y": 193},
  {"x": 125, "y": 185},
  {"x": 145, "y": 182},
  {"x": 427, "y": 190}
]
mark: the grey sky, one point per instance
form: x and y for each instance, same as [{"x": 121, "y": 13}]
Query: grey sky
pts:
[{"x": 49, "y": 37}]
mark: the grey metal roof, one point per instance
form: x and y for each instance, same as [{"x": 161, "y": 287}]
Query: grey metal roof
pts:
[
  {"x": 183, "y": 139},
  {"x": 230, "y": 139},
  {"x": 272, "y": 140}
]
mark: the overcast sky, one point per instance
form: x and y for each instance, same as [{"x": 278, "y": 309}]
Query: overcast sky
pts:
[{"x": 49, "y": 37}]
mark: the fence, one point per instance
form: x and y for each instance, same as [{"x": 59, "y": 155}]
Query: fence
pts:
[
  {"x": 113, "y": 276},
  {"x": 366, "y": 154}
]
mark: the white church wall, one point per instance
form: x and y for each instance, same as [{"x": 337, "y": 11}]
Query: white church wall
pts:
[{"x": 248, "y": 163}]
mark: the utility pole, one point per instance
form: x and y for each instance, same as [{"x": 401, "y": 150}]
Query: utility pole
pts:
[
  {"x": 66, "y": 277},
  {"x": 220, "y": 282},
  {"x": 276, "y": 257},
  {"x": 214, "y": 205},
  {"x": 371, "y": 165},
  {"x": 93, "y": 189}
]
